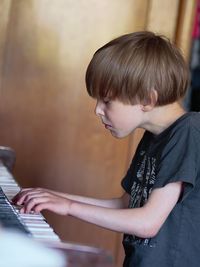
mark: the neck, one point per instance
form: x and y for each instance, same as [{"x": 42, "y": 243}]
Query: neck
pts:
[{"x": 160, "y": 118}]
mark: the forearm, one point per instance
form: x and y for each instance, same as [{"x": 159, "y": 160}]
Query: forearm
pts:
[
  {"x": 115, "y": 203},
  {"x": 144, "y": 222},
  {"x": 132, "y": 221}
]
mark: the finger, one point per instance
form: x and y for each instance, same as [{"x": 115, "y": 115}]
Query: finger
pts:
[
  {"x": 56, "y": 206},
  {"x": 22, "y": 210},
  {"x": 34, "y": 194},
  {"x": 20, "y": 194},
  {"x": 44, "y": 206},
  {"x": 23, "y": 194},
  {"x": 32, "y": 203}
]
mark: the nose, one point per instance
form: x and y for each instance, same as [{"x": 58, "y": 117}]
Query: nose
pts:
[{"x": 99, "y": 108}]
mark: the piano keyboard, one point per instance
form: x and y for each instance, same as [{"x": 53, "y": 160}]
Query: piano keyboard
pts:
[{"x": 33, "y": 224}]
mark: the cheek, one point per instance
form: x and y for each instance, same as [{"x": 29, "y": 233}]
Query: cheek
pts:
[
  {"x": 120, "y": 121},
  {"x": 114, "y": 117},
  {"x": 127, "y": 122}
]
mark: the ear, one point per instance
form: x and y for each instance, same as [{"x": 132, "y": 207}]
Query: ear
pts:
[
  {"x": 152, "y": 101},
  {"x": 146, "y": 108}
]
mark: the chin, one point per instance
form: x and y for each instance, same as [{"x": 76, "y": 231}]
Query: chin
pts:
[{"x": 118, "y": 135}]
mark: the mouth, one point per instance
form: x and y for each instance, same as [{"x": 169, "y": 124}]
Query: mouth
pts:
[{"x": 107, "y": 126}]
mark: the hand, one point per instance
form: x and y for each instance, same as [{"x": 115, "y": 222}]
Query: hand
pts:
[{"x": 38, "y": 199}]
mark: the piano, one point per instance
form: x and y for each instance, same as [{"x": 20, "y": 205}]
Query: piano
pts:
[{"x": 35, "y": 225}]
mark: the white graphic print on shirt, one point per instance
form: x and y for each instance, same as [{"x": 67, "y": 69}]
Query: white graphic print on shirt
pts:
[{"x": 141, "y": 189}]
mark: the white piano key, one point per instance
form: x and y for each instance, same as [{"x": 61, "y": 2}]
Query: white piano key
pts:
[
  {"x": 39, "y": 229},
  {"x": 32, "y": 216},
  {"x": 35, "y": 223}
]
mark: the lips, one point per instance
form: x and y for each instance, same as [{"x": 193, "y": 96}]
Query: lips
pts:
[{"x": 107, "y": 126}]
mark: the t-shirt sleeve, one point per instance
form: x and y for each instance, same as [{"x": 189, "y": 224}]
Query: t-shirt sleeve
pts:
[{"x": 180, "y": 160}]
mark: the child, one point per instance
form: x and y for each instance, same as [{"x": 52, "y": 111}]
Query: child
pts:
[{"x": 138, "y": 81}]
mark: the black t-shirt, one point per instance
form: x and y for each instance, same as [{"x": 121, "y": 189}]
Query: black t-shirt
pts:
[{"x": 173, "y": 155}]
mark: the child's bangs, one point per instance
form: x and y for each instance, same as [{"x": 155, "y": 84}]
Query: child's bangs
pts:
[{"x": 102, "y": 77}]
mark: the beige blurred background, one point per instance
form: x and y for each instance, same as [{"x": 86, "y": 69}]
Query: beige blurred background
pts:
[{"x": 46, "y": 115}]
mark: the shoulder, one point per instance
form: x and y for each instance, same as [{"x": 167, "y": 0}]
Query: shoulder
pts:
[
  {"x": 186, "y": 126},
  {"x": 194, "y": 120},
  {"x": 185, "y": 132},
  {"x": 191, "y": 119}
]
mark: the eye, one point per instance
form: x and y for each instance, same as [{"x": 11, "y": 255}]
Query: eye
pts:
[{"x": 106, "y": 101}]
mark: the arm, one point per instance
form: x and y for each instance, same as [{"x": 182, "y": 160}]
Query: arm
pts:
[
  {"x": 144, "y": 222},
  {"x": 114, "y": 203},
  {"x": 29, "y": 193}
]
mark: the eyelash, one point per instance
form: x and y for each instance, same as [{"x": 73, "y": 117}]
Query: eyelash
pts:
[{"x": 106, "y": 101}]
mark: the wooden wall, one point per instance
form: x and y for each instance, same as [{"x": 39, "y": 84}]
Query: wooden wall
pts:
[{"x": 45, "y": 112}]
